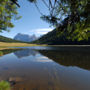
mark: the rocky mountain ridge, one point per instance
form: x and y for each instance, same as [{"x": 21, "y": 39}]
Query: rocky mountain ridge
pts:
[{"x": 25, "y": 37}]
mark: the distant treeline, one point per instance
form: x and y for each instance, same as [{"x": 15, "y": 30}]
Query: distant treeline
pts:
[
  {"x": 53, "y": 38},
  {"x": 6, "y": 39}
]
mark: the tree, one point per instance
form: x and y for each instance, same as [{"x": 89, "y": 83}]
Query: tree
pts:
[
  {"x": 71, "y": 17},
  {"x": 8, "y": 11}
]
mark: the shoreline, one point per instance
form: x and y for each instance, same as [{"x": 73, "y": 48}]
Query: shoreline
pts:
[
  {"x": 4, "y": 45},
  {"x": 70, "y": 45}
]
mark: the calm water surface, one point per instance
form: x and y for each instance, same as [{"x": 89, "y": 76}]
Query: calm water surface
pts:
[{"x": 46, "y": 68}]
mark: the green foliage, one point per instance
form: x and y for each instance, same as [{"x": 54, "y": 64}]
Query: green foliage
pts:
[
  {"x": 8, "y": 11},
  {"x": 59, "y": 38},
  {"x": 5, "y": 39},
  {"x": 1, "y": 53},
  {"x": 4, "y": 85},
  {"x": 71, "y": 18}
]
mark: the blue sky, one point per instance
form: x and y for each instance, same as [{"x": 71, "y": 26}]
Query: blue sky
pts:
[{"x": 30, "y": 23}]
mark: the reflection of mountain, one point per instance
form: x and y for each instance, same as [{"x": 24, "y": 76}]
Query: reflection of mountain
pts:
[
  {"x": 69, "y": 58},
  {"x": 25, "y": 53}
]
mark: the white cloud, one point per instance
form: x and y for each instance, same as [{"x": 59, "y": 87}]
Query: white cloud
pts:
[
  {"x": 40, "y": 31},
  {"x": 43, "y": 59}
]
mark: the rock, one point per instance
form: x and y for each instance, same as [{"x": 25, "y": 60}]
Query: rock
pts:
[{"x": 25, "y": 37}]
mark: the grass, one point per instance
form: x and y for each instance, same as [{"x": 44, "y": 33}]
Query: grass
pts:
[{"x": 4, "y": 45}]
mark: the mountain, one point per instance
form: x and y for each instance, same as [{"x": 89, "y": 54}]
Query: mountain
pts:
[
  {"x": 6, "y": 39},
  {"x": 52, "y": 38},
  {"x": 25, "y": 37}
]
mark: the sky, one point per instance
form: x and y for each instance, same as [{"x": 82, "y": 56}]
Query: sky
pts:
[{"x": 30, "y": 23}]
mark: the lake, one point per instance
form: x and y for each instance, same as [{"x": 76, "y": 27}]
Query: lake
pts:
[{"x": 46, "y": 68}]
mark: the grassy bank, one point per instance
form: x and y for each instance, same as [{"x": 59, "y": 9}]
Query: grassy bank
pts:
[
  {"x": 7, "y": 45},
  {"x": 4, "y": 45}
]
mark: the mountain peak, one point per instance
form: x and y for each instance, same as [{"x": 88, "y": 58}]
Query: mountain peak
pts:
[{"x": 25, "y": 37}]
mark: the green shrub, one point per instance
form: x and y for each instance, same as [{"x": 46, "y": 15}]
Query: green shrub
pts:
[
  {"x": 4, "y": 85},
  {"x": 1, "y": 53}
]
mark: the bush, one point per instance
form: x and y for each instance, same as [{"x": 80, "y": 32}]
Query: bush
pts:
[
  {"x": 4, "y": 85},
  {"x": 1, "y": 53}
]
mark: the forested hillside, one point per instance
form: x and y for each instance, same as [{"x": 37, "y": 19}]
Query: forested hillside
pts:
[
  {"x": 54, "y": 38},
  {"x": 6, "y": 39}
]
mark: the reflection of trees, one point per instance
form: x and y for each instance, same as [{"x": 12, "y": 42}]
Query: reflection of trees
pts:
[
  {"x": 69, "y": 58},
  {"x": 25, "y": 53},
  {"x": 7, "y": 51}
]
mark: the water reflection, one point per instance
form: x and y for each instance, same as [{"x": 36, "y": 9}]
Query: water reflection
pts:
[
  {"x": 38, "y": 70},
  {"x": 7, "y": 51},
  {"x": 25, "y": 53},
  {"x": 69, "y": 58},
  {"x": 76, "y": 57}
]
